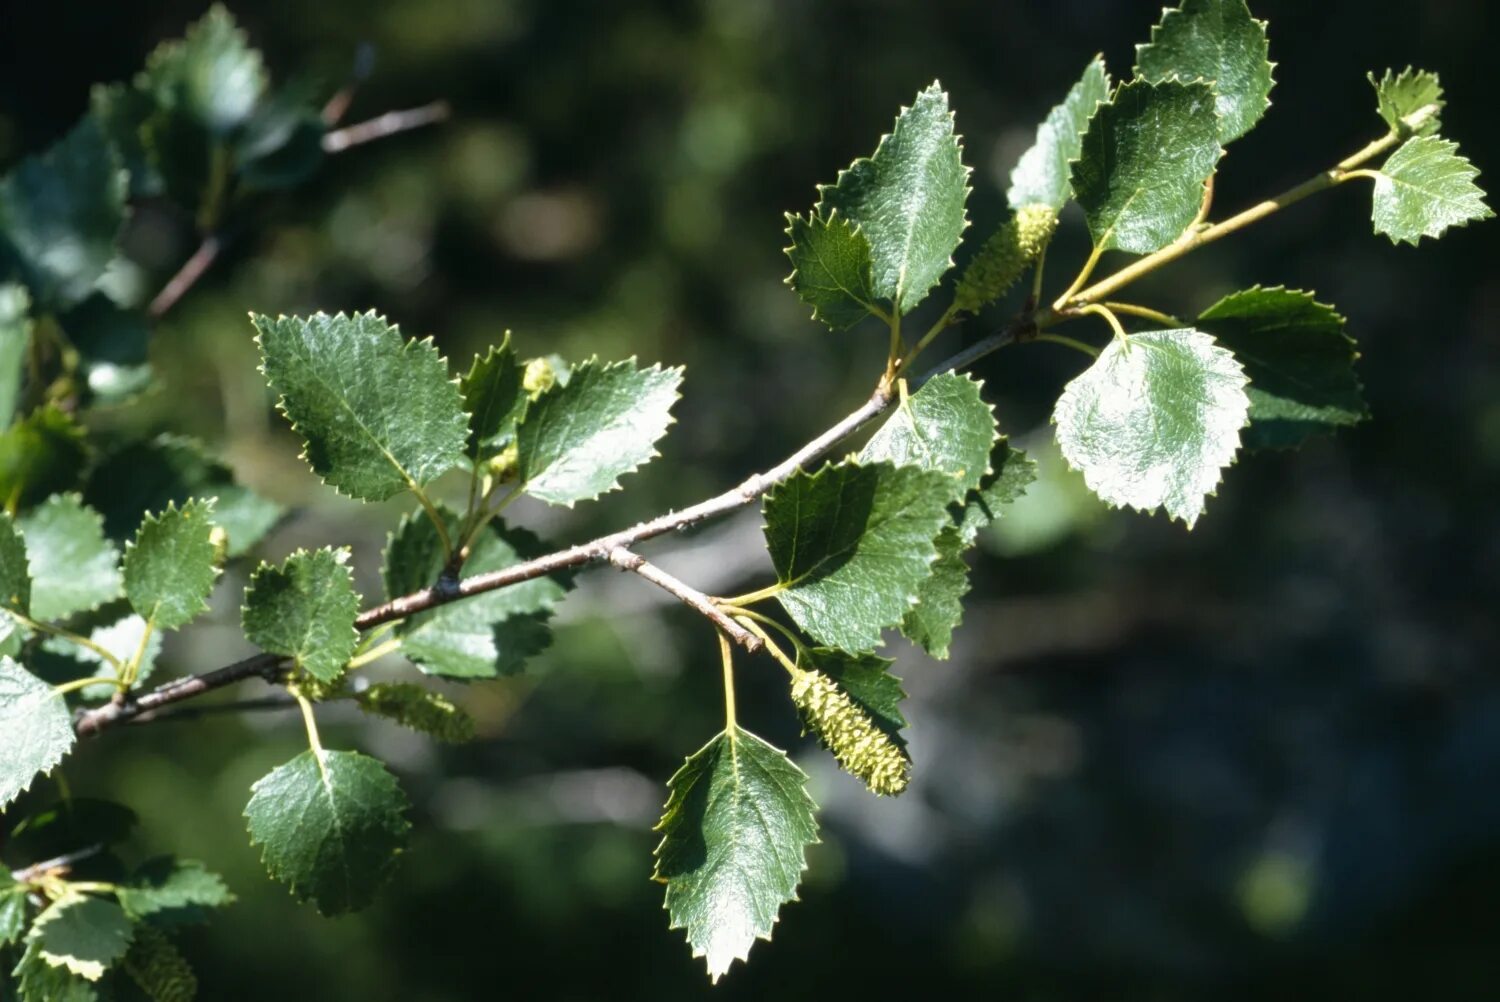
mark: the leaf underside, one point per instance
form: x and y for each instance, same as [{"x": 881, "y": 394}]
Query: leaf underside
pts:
[
  {"x": 73, "y": 567},
  {"x": 1041, "y": 176},
  {"x": 36, "y": 730},
  {"x": 1398, "y": 95}
]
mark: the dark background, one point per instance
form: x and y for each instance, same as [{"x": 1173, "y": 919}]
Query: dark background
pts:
[{"x": 1259, "y": 758}]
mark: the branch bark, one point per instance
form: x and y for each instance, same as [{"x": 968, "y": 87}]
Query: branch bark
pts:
[
  {"x": 389, "y": 124},
  {"x": 270, "y": 667},
  {"x": 273, "y": 669},
  {"x": 334, "y": 141},
  {"x": 187, "y": 276}
]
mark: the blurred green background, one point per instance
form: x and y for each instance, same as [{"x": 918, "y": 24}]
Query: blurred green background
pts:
[{"x": 1263, "y": 757}]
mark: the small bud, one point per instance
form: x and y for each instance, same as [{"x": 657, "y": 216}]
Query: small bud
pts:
[
  {"x": 504, "y": 464},
  {"x": 1004, "y": 257},
  {"x": 220, "y": 539},
  {"x": 538, "y": 377},
  {"x": 863, "y": 749}
]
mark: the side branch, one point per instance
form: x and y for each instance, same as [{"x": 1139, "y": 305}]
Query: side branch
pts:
[
  {"x": 389, "y": 124},
  {"x": 1195, "y": 237},
  {"x": 625, "y": 560},
  {"x": 55, "y": 865},
  {"x": 187, "y": 276},
  {"x": 334, "y": 141}
]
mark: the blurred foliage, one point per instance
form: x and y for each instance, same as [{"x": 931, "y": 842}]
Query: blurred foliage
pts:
[{"x": 1258, "y": 757}]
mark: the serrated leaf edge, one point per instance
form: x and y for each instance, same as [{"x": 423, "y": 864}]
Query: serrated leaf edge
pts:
[
  {"x": 1214, "y": 492},
  {"x": 633, "y": 363},
  {"x": 157, "y": 518},
  {"x": 1119, "y": 86},
  {"x": 1394, "y": 79},
  {"x": 795, "y": 897},
  {"x": 1472, "y": 177},
  {"x": 295, "y": 888},
  {"x": 1264, "y": 26},
  {"x": 833, "y": 217},
  {"x": 828, "y": 465},
  {"x": 937, "y": 86},
  {"x": 1354, "y": 355},
  {"x": 98, "y": 518},
  {"x": 57, "y": 761},
  {"x": 407, "y": 344},
  {"x": 341, "y": 556},
  {"x": 1037, "y": 135}
]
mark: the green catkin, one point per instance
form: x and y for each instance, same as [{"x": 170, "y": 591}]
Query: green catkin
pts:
[
  {"x": 863, "y": 749},
  {"x": 156, "y": 966},
  {"x": 1004, "y": 257},
  {"x": 420, "y": 709}
]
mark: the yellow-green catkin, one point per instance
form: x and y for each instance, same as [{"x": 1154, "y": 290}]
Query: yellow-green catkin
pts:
[
  {"x": 1004, "y": 257},
  {"x": 863, "y": 749}
]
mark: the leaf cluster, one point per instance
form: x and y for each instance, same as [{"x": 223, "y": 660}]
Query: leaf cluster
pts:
[
  {"x": 77, "y": 923},
  {"x": 103, "y": 550}
]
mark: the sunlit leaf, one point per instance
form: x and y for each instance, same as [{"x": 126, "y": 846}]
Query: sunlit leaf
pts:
[
  {"x": 36, "y": 730},
  {"x": 1041, "y": 176},
  {"x": 734, "y": 837},
  {"x": 171, "y": 565},
  {"x": 908, "y": 200},
  {"x": 378, "y": 414},
  {"x": 1424, "y": 188},
  {"x": 1153, "y": 422},
  {"x": 1144, "y": 159},
  {"x": 581, "y": 436},
  {"x": 1216, "y": 41}
]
